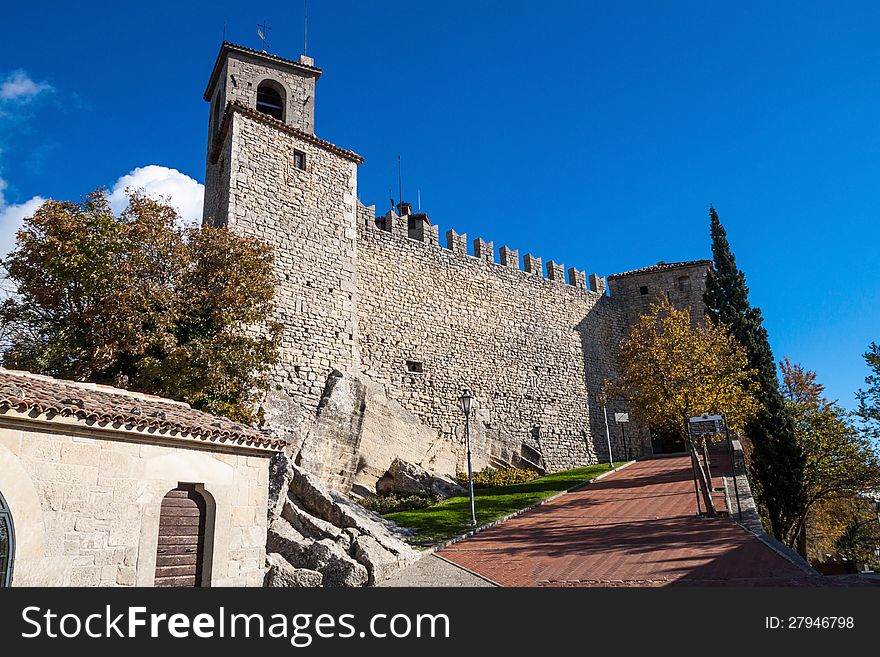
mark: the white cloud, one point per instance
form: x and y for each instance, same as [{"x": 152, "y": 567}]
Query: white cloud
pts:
[
  {"x": 185, "y": 194},
  {"x": 11, "y": 217},
  {"x": 19, "y": 87}
]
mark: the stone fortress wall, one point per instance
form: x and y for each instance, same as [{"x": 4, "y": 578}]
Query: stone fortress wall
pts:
[
  {"x": 533, "y": 347},
  {"x": 383, "y": 326}
]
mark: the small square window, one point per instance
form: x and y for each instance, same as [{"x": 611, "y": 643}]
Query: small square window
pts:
[
  {"x": 643, "y": 289},
  {"x": 415, "y": 366},
  {"x": 299, "y": 160}
]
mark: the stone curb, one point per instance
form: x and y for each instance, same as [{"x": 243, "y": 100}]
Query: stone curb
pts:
[
  {"x": 455, "y": 539},
  {"x": 756, "y": 528},
  {"x": 467, "y": 570}
]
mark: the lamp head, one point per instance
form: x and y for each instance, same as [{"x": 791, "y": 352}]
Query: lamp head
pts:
[{"x": 465, "y": 401}]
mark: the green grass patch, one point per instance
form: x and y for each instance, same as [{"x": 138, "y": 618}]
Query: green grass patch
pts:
[{"x": 451, "y": 517}]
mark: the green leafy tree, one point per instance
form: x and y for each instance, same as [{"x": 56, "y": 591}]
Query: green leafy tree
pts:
[
  {"x": 671, "y": 369},
  {"x": 845, "y": 525},
  {"x": 859, "y": 539},
  {"x": 776, "y": 459},
  {"x": 839, "y": 461},
  {"x": 139, "y": 302},
  {"x": 869, "y": 398}
]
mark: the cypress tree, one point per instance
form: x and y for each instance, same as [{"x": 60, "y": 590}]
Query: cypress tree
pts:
[{"x": 776, "y": 460}]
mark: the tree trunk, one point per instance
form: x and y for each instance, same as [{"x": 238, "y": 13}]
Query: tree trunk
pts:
[{"x": 802, "y": 542}]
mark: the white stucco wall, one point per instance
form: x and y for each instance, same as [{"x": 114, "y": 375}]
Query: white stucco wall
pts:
[{"x": 85, "y": 505}]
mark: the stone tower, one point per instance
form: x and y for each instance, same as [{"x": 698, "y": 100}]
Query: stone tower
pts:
[
  {"x": 681, "y": 283},
  {"x": 268, "y": 176}
]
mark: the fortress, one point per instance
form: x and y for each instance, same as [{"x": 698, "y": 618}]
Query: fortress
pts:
[{"x": 384, "y": 323}]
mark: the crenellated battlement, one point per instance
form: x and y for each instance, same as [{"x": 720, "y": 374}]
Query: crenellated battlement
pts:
[{"x": 418, "y": 228}]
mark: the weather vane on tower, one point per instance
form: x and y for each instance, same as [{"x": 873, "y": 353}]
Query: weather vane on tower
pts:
[{"x": 261, "y": 32}]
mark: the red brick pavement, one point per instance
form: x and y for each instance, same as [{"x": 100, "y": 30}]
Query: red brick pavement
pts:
[{"x": 635, "y": 527}]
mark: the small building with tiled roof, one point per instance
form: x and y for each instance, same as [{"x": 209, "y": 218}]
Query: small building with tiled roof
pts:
[
  {"x": 104, "y": 486},
  {"x": 661, "y": 267}
]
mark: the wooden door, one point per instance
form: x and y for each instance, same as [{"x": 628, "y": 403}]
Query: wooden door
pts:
[{"x": 181, "y": 548}]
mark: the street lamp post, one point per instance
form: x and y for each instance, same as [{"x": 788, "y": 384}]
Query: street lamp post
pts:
[
  {"x": 608, "y": 436},
  {"x": 465, "y": 402}
]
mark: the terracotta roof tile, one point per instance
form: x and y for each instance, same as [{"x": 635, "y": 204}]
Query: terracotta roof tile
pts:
[
  {"x": 660, "y": 266},
  {"x": 26, "y": 392}
]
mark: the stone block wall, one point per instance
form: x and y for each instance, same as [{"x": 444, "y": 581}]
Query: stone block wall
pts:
[
  {"x": 86, "y": 509},
  {"x": 309, "y": 218},
  {"x": 217, "y": 183},
  {"x": 534, "y": 350}
]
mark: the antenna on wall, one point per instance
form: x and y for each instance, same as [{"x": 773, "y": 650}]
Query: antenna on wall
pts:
[
  {"x": 305, "y": 27},
  {"x": 399, "y": 182},
  {"x": 419, "y": 194}
]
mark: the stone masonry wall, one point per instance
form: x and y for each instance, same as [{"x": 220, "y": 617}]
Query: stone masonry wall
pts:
[
  {"x": 682, "y": 286},
  {"x": 309, "y": 219},
  {"x": 533, "y": 350},
  {"x": 86, "y": 510},
  {"x": 216, "y": 205}
]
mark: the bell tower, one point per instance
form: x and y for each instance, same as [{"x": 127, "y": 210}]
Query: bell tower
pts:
[
  {"x": 282, "y": 88},
  {"x": 269, "y": 177}
]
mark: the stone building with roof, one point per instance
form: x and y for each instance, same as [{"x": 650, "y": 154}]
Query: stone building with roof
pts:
[
  {"x": 384, "y": 325},
  {"x": 101, "y": 486}
]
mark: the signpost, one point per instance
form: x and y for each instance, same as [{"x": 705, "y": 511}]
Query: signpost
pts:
[
  {"x": 702, "y": 425},
  {"x": 622, "y": 419}
]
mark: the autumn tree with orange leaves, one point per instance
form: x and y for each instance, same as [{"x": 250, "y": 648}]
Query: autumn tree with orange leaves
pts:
[
  {"x": 671, "y": 368},
  {"x": 139, "y": 301}
]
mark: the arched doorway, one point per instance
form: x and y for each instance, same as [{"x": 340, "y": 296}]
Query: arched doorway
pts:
[
  {"x": 7, "y": 544},
  {"x": 180, "y": 552}
]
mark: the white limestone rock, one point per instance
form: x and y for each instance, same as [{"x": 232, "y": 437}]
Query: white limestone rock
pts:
[
  {"x": 380, "y": 563},
  {"x": 406, "y": 478},
  {"x": 334, "y": 563},
  {"x": 279, "y": 573},
  {"x": 307, "y": 524},
  {"x": 284, "y": 539}
]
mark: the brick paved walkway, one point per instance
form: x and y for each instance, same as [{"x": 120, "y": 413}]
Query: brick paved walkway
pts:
[{"x": 635, "y": 527}]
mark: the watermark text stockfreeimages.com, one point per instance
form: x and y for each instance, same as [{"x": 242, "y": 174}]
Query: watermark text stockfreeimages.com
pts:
[{"x": 299, "y": 629}]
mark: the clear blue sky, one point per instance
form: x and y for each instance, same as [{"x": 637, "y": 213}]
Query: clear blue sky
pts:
[{"x": 595, "y": 134}]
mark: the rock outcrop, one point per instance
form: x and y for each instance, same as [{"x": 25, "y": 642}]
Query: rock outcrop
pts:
[
  {"x": 409, "y": 479},
  {"x": 358, "y": 431},
  {"x": 318, "y": 537},
  {"x": 279, "y": 573}
]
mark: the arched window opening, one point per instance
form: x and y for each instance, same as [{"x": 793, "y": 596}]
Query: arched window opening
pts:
[
  {"x": 180, "y": 553},
  {"x": 218, "y": 110},
  {"x": 7, "y": 544},
  {"x": 270, "y": 99}
]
